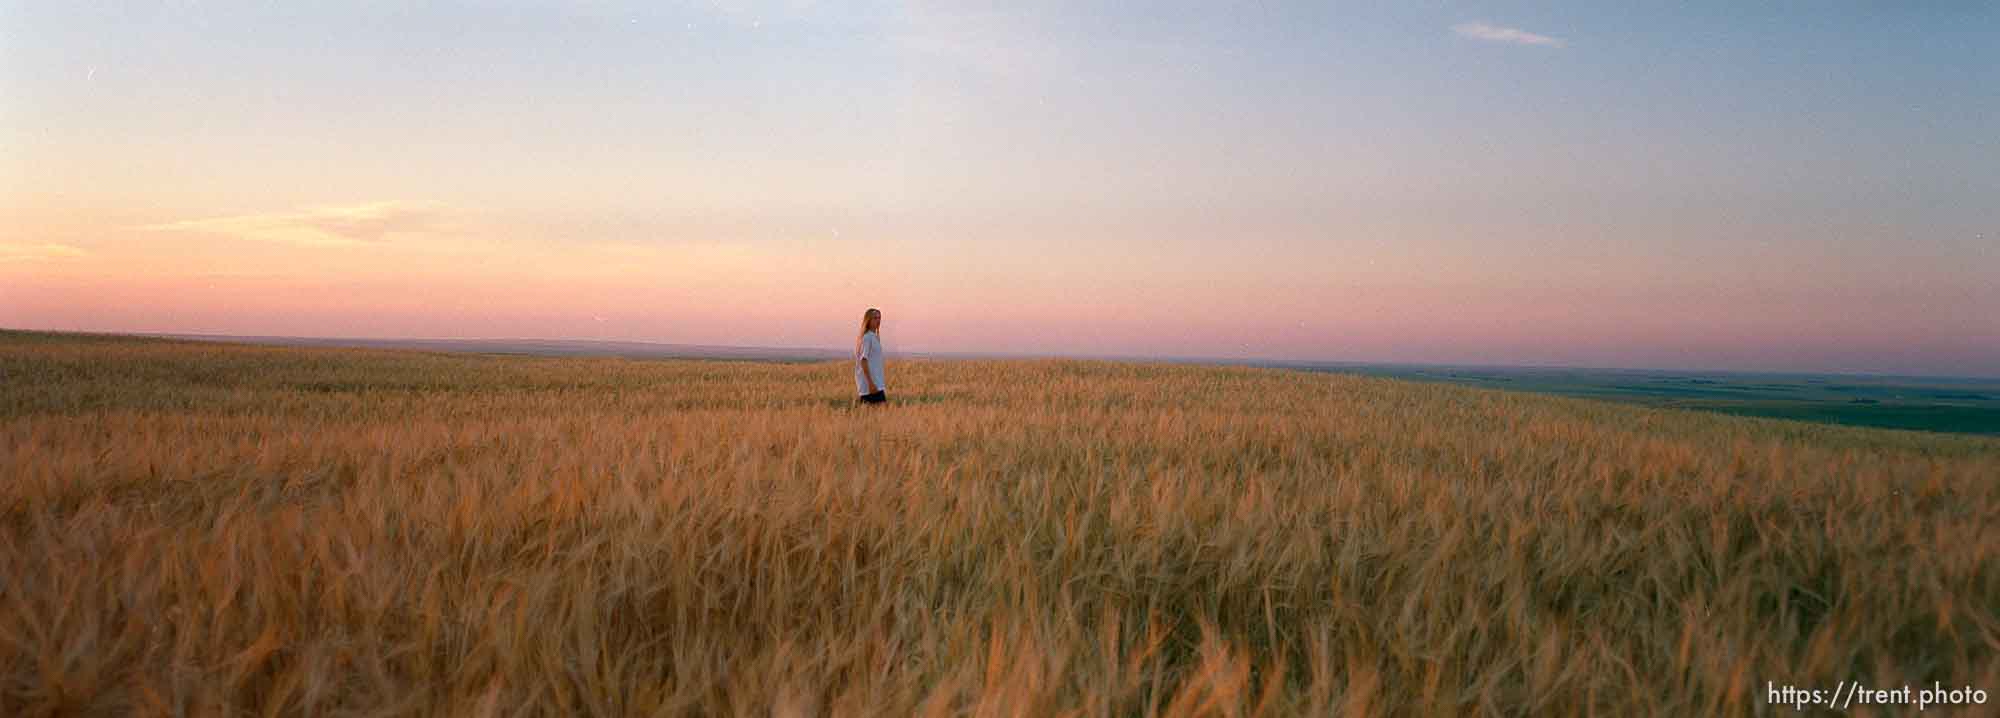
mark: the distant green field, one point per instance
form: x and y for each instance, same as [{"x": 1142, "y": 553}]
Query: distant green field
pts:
[{"x": 1962, "y": 406}]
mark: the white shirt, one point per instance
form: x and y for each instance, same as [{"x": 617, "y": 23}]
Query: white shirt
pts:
[{"x": 870, "y": 348}]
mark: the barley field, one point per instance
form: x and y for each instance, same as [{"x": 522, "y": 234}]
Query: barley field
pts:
[{"x": 206, "y": 529}]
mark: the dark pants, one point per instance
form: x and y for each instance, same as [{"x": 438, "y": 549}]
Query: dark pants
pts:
[{"x": 876, "y": 398}]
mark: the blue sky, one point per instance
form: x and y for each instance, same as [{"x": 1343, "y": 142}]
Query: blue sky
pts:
[{"x": 1718, "y": 185}]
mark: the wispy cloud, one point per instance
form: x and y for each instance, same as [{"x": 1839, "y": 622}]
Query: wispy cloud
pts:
[
  {"x": 340, "y": 226},
  {"x": 1510, "y": 35},
  {"x": 25, "y": 252}
]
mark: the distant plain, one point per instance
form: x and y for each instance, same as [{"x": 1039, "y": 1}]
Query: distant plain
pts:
[{"x": 1941, "y": 404}]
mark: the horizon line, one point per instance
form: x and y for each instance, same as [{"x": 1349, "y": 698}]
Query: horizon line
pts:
[{"x": 776, "y": 353}]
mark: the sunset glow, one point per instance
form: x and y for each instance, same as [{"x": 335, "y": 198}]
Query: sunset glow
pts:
[{"x": 1712, "y": 188}]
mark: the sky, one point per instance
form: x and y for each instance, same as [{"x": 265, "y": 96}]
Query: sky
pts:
[{"x": 1809, "y": 186}]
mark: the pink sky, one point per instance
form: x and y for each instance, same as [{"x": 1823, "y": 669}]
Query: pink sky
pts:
[
  {"x": 1346, "y": 185},
  {"x": 433, "y": 270}
]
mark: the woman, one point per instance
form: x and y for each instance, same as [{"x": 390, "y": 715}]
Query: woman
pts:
[{"x": 868, "y": 359}]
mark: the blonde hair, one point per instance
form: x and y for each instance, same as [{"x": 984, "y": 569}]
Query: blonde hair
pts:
[{"x": 870, "y": 320}]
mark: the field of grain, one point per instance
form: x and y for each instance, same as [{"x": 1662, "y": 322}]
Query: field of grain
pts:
[{"x": 205, "y": 529}]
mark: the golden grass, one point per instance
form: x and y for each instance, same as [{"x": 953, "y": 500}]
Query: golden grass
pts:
[{"x": 201, "y": 529}]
